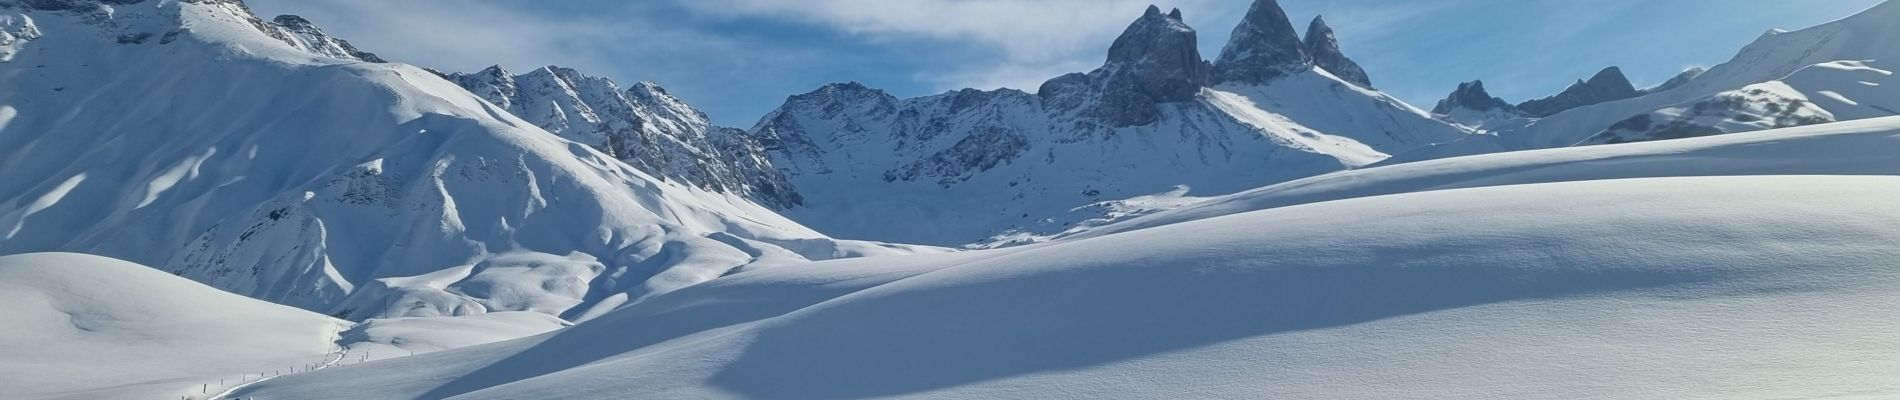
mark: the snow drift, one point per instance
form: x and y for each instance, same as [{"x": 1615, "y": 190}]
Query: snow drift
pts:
[
  {"x": 1862, "y": 147},
  {"x": 1627, "y": 288},
  {"x": 185, "y": 135},
  {"x": 89, "y": 327}
]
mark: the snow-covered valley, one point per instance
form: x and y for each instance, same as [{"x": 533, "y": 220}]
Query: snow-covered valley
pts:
[{"x": 199, "y": 203}]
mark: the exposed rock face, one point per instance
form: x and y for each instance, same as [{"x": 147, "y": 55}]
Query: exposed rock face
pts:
[
  {"x": 970, "y": 165},
  {"x": 1472, "y": 96},
  {"x": 1323, "y": 46},
  {"x": 1608, "y": 85},
  {"x": 1264, "y": 46},
  {"x": 299, "y": 32},
  {"x": 642, "y": 125},
  {"x": 1154, "y": 61}
]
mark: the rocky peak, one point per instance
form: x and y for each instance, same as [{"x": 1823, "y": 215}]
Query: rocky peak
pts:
[
  {"x": 1607, "y": 85},
  {"x": 643, "y": 125},
  {"x": 1156, "y": 60},
  {"x": 289, "y": 21},
  {"x": 1263, "y": 47},
  {"x": 1323, "y": 46},
  {"x": 1471, "y": 96},
  {"x": 303, "y": 34}
]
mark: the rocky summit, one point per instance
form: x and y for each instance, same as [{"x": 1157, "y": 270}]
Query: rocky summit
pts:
[
  {"x": 1607, "y": 85},
  {"x": 1263, "y": 47},
  {"x": 1323, "y": 46},
  {"x": 1472, "y": 96}
]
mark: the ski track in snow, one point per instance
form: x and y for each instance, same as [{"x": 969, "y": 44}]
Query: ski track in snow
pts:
[{"x": 342, "y": 353}]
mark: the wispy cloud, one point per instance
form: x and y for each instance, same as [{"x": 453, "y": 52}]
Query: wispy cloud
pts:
[{"x": 1030, "y": 40}]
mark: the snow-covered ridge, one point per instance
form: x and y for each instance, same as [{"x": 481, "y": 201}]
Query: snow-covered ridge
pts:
[
  {"x": 642, "y": 125},
  {"x": 985, "y": 166},
  {"x": 1827, "y": 92},
  {"x": 1869, "y": 36},
  {"x": 1848, "y": 148},
  {"x": 89, "y": 327},
  {"x": 221, "y": 152},
  {"x": 1541, "y": 291}
]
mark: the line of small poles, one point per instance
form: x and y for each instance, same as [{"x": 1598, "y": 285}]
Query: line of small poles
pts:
[{"x": 205, "y": 388}]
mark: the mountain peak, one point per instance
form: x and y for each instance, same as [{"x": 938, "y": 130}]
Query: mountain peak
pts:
[
  {"x": 1323, "y": 46},
  {"x": 495, "y": 71},
  {"x": 290, "y": 21},
  {"x": 303, "y": 34},
  {"x": 1263, "y": 47},
  {"x": 1156, "y": 60},
  {"x": 1610, "y": 76},
  {"x": 1607, "y": 85},
  {"x": 1471, "y": 96}
]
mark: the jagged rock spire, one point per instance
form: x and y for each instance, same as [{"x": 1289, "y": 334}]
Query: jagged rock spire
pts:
[
  {"x": 1156, "y": 60},
  {"x": 1263, "y": 47},
  {"x": 1472, "y": 96},
  {"x": 1323, "y": 47},
  {"x": 1157, "y": 57},
  {"x": 1606, "y": 86}
]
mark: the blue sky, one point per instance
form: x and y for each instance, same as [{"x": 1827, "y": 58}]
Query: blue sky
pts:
[{"x": 737, "y": 59}]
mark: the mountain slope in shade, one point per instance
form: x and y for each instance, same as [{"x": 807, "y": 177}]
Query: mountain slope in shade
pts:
[
  {"x": 89, "y": 327},
  {"x": 990, "y": 166},
  {"x": 1606, "y": 86},
  {"x": 374, "y": 190},
  {"x": 1611, "y": 289}
]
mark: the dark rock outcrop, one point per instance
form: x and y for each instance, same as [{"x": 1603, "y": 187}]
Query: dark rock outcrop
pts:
[
  {"x": 1608, "y": 85},
  {"x": 1472, "y": 96},
  {"x": 642, "y": 125},
  {"x": 1263, "y": 47},
  {"x": 304, "y": 35},
  {"x": 1323, "y": 46},
  {"x": 1154, "y": 61}
]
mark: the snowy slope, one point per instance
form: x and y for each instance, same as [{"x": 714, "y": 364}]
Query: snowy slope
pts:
[
  {"x": 220, "y": 152},
  {"x": 985, "y": 166},
  {"x": 1627, "y": 288},
  {"x": 642, "y": 125},
  {"x": 1849, "y": 148},
  {"x": 89, "y": 327},
  {"x": 1835, "y": 91},
  {"x": 1867, "y": 36}
]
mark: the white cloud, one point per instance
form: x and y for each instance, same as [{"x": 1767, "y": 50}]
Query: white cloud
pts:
[{"x": 1037, "y": 39}]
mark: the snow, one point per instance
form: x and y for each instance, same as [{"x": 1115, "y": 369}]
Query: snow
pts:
[
  {"x": 393, "y": 337},
  {"x": 219, "y": 152},
  {"x": 491, "y": 258},
  {"x": 1869, "y": 35},
  {"x": 1847, "y": 148},
  {"x": 1627, "y": 288},
  {"x": 1350, "y": 152},
  {"x": 873, "y": 166},
  {"x": 89, "y": 327}
]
